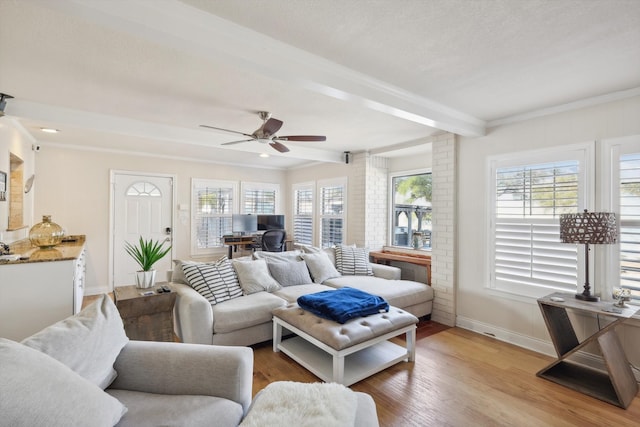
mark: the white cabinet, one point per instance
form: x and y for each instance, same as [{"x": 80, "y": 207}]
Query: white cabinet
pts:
[{"x": 36, "y": 294}]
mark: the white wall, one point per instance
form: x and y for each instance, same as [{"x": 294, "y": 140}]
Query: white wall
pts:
[
  {"x": 14, "y": 140},
  {"x": 73, "y": 187},
  {"x": 518, "y": 319}
]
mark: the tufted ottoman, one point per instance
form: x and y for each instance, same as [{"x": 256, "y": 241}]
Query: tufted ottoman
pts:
[{"x": 344, "y": 353}]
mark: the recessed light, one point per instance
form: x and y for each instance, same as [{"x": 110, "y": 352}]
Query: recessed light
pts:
[
  {"x": 264, "y": 155},
  {"x": 49, "y": 130}
]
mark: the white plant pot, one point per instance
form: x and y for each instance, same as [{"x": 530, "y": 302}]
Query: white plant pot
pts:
[{"x": 145, "y": 279}]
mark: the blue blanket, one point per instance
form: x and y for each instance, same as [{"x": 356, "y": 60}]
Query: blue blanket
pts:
[{"x": 343, "y": 304}]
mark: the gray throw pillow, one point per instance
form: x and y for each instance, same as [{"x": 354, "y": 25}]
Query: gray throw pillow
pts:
[
  {"x": 88, "y": 342},
  {"x": 217, "y": 282},
  {"x": 177, "y": 275},
  {"x": 254, "y": 276},
  {"x": 320, "y": 266},
  {"x": 37, "y": 390},
  {"x": 291, "y": 273}
]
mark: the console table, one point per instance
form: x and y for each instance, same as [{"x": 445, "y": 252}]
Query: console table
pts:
[
  {"x": 616, "y": 386},
  {"x": 385, "y": 257}
]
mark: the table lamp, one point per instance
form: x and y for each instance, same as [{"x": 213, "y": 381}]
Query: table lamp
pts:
[{"x": 588, "y": 228}]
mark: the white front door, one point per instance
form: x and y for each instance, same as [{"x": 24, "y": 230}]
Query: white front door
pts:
[{"x": 142, "y": 206}]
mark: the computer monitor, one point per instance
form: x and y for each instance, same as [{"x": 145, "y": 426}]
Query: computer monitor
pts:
[
  {"x": 244, "y": 224},
  {"x": 270, "y": 222}
]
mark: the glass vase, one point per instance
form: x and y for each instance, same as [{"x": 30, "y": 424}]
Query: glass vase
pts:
[{"x": 46, "y": 234}]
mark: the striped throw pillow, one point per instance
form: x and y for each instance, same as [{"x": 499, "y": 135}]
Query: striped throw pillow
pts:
[
  {"x": 217, "y": 281},
  {"x": 351, "y": 261}
]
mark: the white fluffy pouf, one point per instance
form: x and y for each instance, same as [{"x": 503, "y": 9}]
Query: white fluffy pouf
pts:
[{"x": 302, "y": 404}]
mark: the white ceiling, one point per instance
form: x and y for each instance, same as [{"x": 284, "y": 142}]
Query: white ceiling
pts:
[{"x": 377, "y": 75}]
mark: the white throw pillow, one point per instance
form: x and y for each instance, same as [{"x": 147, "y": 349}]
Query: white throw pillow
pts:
[
  {"x": 217, "y": 282},
  {"x": 254, "y": 276},
  {"x": 278, "y": 256},
  {"x": 352, "y": 261},
  {"x": 88, "y": 342},
  {"x": 37, "y": 390},
  {"x": 320, "y": 266}
]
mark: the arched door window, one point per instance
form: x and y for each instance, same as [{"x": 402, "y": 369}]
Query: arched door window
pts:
[{"x": 144, "y": 189}]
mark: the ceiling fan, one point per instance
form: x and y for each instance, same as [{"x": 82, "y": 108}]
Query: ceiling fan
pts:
[{"x": 266, "y": 133}]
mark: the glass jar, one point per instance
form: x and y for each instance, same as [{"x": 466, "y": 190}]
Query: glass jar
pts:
[
  {"x": 417, "y": 242},
  {"x": 46, "y": 234}
]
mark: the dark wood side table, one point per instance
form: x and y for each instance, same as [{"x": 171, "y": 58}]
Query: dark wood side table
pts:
[
  {"x": 146, "y": 317},
  {"x": 616, "y": 386}
]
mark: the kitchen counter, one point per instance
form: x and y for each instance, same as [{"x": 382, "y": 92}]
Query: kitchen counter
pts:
[{"x": 70, "y": 248}]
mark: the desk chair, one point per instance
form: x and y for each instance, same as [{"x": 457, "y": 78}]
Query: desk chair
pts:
[{"x": 273, "y": 240}]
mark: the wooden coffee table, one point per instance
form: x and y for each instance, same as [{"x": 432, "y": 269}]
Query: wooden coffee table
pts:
[{"x": 344, "y": 353}]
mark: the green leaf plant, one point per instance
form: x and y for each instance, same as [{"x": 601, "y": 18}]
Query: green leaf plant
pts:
[{"x": 147, "y": 252}]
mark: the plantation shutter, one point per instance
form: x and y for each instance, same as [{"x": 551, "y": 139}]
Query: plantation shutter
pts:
[
  {"x": 527, "y": 249},
  {"x": 331, "y": 212},
  {"x": 303, "y": 215},
  {"x": 212, "y": 210},
  {"x": 259, "y": 201},
  {"x": 630, "y": 223}
]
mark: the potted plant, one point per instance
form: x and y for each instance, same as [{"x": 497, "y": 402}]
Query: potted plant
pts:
[{"x": 146, "y": 254}]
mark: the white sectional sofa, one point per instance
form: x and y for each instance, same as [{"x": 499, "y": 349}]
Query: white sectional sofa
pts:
[{"x": 247, "y": 319}]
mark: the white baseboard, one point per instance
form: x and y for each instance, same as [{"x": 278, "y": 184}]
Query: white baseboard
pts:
[
  {"x": 540, "y": 346},
  {"x": 534, "y": 344}
]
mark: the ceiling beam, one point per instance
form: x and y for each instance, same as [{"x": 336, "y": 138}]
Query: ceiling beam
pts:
[
  {"x": 178, "y": 25},
  {"x": 151, "y": 131}
]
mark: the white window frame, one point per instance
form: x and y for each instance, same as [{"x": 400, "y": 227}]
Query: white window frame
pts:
[
  {"x": 584, "y": 153},
  {"x": 303, "y": 186},
  {"x": 197, "y": 183},
  {"x": 612, "y": 150},
  {"x": 260, "y": 186},
  {"x": 336, "y": 182},
  {"x": 391, "y": 218}
]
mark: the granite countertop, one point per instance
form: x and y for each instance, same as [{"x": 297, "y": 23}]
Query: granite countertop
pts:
[{"x": 70, "y": 248}]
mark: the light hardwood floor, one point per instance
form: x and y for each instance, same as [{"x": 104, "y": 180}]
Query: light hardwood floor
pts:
[{"x": 461, "y": 378}]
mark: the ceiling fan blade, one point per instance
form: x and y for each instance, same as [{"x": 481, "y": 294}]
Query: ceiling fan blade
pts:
[
  {"x": 271, "y": 126},
  {"x": 301, "y": 138},
  {"x": 238, "y": 142},
  {"x": 227, "y": 130},
  {"x": 278, "y": 146}
]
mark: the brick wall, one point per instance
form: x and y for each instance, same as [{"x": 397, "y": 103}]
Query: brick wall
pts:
[
  {"x": 368, "y": 204},
  {"x": 369, "y": 219},
  {"x": 443, "y": 256}
]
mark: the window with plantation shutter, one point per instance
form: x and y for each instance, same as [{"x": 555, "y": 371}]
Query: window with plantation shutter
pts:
[
  {"x": 212, "y": 209},
  {"x": 303, "y": 213},
  {"x": 527, "y": 255},
  {"x": 258, "y": 198},
  {"x": 332, "y": 197},
  {"x": 630, "y": 223}
]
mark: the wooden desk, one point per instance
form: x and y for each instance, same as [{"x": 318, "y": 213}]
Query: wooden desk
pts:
[
  {"x": 617, "y": 385},
  {"x": 385, "y": 257},
  {"x": 146, "y": 317},
  {"x": 234, "y": 242}
]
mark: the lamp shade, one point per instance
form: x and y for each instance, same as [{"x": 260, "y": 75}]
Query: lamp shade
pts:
[{"x": 589, "y": 227}]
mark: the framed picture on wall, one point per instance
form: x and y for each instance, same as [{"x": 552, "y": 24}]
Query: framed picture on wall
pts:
[{"x": 3, "y": 186}]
